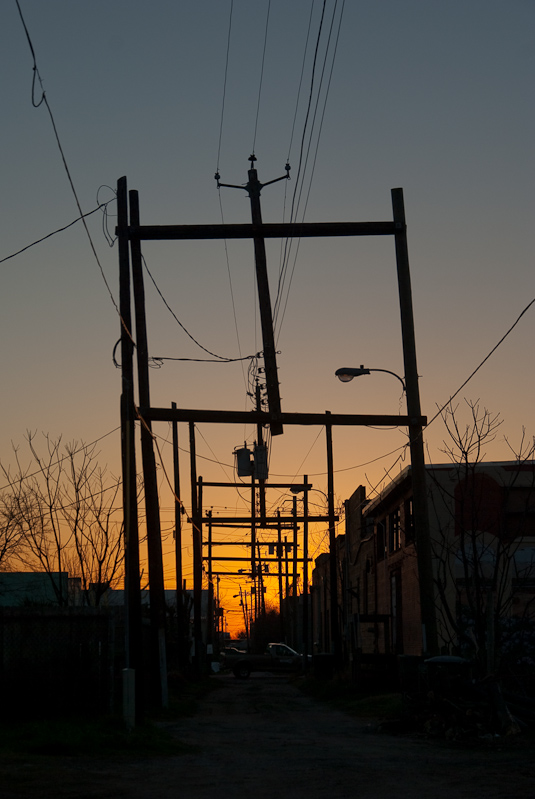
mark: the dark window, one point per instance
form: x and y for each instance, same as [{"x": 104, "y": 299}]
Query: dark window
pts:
[
  {"x": 520, "y": 512},
  {"x": 396, "y": 612},
  {"x": 394, "y": 531},
  {"x": 409, "y": 521},
  {"x": 381, "y": 540}
]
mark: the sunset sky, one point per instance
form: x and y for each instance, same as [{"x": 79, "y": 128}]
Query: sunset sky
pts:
[{"x": 434, "y": 97}]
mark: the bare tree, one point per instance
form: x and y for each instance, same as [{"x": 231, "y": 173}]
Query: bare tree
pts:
[
  {"x": 66, "y": 516},
  {"x": 481, "y": 530},
  {"x": 98, "y": 552},
  {"x": 10, "y": 532}
]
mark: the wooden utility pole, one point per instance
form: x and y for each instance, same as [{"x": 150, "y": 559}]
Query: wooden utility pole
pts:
[
  {"x": 260, "y": 444},
  {"x": 197, "y": 554},
  {"x": 254, "y": 187},
  {"x": 210, "y": 610},
  {"x": 287, "y": 577},
  {"x": 295, "y": 599},
  {"x": 420, "y": 509},
  {"x": 253, "y": 528},
  {"x": 305, "y": 573},
  {"x": 152, "y": 509},
  {"x": 333, "y": 554},
  {"x": 132, "y": 588},
  {"x": 182, "y": 628},
  {"x": 279, "y": 564}
]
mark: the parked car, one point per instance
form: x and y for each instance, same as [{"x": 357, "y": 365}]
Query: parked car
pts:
[{"x": 277, "y": 658}]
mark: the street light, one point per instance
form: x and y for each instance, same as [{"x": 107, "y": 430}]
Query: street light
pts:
[
  {"x": 420, "y": 512},
  {"x": 347, "y": 373}
]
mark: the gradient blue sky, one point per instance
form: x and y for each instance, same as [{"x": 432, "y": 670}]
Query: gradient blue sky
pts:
[{"x": 435, "y": 97}]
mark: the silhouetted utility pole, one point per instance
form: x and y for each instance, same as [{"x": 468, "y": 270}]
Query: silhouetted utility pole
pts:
[
  {"x": 419, "y": 492},
  {"x": 336, "y": 648},
  {"x": 197, "y": 554},
  {"x": 287, "y": 584},
  {"x": 305, "y": 573},
  {"x": 279, "y": 566},
  {"x": 259, "y": 448},
  {"x": 210, "y": 609},
  {"x": 295, "y": 600},
  {"x": 152, "y": 508},
  {"x": 253, "y": 528},
  {"x": 182, "y": 624},
  {"x": 254, "y": 187},
  {"x": 262, "y": 597},
  {"x": 133, "y": 659}
]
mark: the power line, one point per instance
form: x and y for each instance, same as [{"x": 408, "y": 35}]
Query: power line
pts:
[
  {"x": 219, "y": 358},
  {"x": 219, "y": 191},
  {"x": 301, "y": 79},
  {"x": 44, "y": 100},
  {"x": 287, "y": 247},
  {"x": 227, "y": 260},
  {"x": 59, "y": 230},
  {"x": 261, "y": 76},
  {"x": 316, "y": 150},
  {"x": 485, "y": 359},
  {"x": 224, "y": 84},
  {"x": 404, "y": 447},
  {"x": 318, "y": 96}
]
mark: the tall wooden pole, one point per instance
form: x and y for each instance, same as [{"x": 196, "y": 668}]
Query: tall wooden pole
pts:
[
  {"x": 260, "y": 443},
  {"x": 210, "y": 609},
  {"x": 197, "y": 554},
  {"x": 180, "y": 605},
  {"x": 333, "y": 555},
  {"x": 286, "y": 582},
  {"x": 266, "y": 320},
  {"x": 152, "y": 508},
  {"x": 295, "y": 600},
  {"x": 420, "y": 510},
  {"x": 305, "y": 573},
  {"x": 132, "y": 588},
  {"x": 253, "y": 528},
  {"x": 279, "y": 563}
]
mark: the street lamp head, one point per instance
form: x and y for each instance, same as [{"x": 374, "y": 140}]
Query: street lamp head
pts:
[{"x": 347, "y": 373}]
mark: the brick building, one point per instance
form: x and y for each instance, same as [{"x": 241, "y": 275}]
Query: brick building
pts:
[{"x": 482, "y": 527}]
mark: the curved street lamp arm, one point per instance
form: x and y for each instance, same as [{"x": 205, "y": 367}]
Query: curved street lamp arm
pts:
[{"x": 391, "y": 373}]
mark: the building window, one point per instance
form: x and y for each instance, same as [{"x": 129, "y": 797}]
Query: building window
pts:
[
  {"x": 381, "y": 540},
  {"x": 520, "y": 512},
  {"x": 394, "y": 531},
  {"x": 396, "y": 612},
  {"x": 409, "y": 521}
]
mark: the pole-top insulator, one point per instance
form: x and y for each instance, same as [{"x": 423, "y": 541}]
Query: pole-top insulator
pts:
[
  {"x": 287, "y": 167},
  {"x": 252, "y": 158}
]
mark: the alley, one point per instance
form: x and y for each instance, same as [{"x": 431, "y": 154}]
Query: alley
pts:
[{"x": 262, "y": 738}]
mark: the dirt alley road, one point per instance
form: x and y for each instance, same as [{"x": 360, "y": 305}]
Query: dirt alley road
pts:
[{"x": 261, "y": 738}]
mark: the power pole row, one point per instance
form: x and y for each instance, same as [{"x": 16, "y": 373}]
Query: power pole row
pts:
[{"x": 130, "y": 233}]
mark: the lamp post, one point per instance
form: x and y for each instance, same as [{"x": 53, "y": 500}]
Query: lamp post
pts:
[
  {"x": 420, "y": 511},
  {"x": 347, "y": 373}
]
